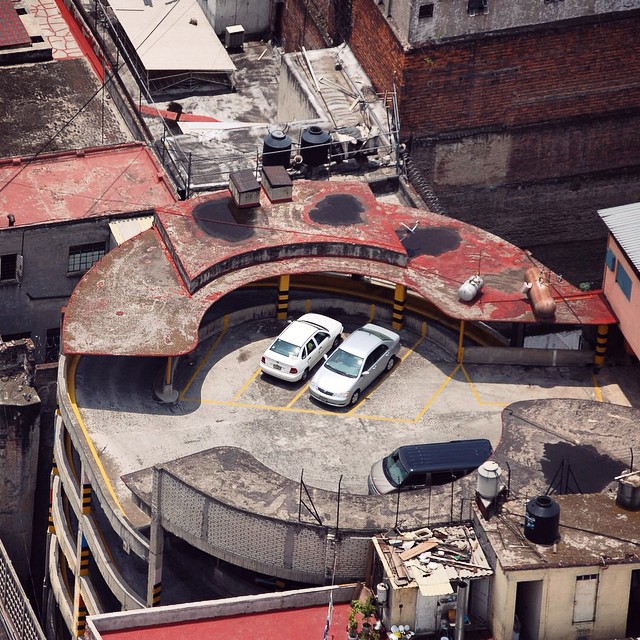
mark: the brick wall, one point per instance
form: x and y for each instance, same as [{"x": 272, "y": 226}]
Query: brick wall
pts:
[{"x": 307, "y": 23}]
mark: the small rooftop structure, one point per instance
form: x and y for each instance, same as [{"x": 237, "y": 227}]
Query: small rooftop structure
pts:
[
  {"x": 624, "y": 225},
  {"x": 20, "y": 36},
  {"x": 196, "y": 52}
]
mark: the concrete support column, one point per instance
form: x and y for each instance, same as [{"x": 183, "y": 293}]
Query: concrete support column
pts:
[
  {"x": 166, "y": 393},
  {"x": 54, "y": 472},
  {"x": 154, "y": 575},
  {"x": 461, "y": 343},
  {"x": 399, "y": 301},
  {"x": 80, "y": 611},
  {"x": 283, "y": 297},
  {"x": 601, "y": 344}
]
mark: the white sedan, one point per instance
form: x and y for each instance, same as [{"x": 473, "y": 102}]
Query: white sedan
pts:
[{"x": 293, "y": 354}]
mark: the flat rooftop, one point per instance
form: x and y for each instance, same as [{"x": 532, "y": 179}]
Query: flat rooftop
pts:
[
  {"x": 77, "y": 185},
  {"x": 204, "y": 248}
]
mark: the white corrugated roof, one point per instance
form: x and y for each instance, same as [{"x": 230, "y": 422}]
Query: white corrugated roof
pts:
[
  {"x": 173, "y": 35},
  {"x": 624, "y": 224}
]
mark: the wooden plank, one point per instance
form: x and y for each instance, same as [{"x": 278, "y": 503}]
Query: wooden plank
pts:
[{"x": 414, "y": 552}]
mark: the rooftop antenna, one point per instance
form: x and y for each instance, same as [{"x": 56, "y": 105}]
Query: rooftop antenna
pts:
[{"x": 410, "y": 229}]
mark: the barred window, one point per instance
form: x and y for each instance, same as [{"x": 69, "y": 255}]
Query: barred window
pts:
[
  {"x": 9, "y": 267},
  {"x": 84, "y": 256}
]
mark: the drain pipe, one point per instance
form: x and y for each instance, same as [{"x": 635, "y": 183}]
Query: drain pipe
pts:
[{"x": 461, "y": 606}]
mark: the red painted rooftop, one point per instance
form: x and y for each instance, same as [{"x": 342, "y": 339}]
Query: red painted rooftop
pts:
[
  {"x": 287, "y": 624},
  {"x": 81, "y": 184},
  {"x": 165, "y": 279}
]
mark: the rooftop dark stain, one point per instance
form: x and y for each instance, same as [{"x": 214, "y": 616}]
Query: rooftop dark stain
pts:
[
  {"x": 338, "y": 210},
  {"x": 223, "y": 220},
  {"x": 433, "y": 241},
  {"x": 590, "y": 471}
]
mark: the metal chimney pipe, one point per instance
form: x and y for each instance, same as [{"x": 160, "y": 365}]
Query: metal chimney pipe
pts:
[{"x": 461, "y": 606}]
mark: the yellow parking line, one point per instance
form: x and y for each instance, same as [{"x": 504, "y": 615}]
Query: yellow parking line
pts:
[
  {"x": 204, "y": 360},
  {"x": 597, "y": 388},
  {"x": 246, "y": 385},
  {"x": 71, "y": 390},
  {"x": 247, "y": 405},
  {"x": 438, "y": 391},
  {"x": 477, "y": 395},
  {"x": 297, "y": 396}
]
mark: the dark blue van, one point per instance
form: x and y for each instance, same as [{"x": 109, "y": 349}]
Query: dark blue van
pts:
[{"x": 415, "y": 466}]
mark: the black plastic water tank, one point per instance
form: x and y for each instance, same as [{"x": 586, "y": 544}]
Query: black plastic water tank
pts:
[
  {"x": 542, "y": 520},
  {"x": 276, "y": 149},
  {"x": 314, "y": 146}
]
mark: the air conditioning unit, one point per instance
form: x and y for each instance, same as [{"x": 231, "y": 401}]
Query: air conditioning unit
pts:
[{"x": 234, "y": 37}]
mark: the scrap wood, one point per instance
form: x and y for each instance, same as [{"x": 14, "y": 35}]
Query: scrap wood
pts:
[{"x": 418, "y": 549}]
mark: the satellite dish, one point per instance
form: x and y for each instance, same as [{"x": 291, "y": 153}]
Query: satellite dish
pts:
[{"x": 394, "y": 628}]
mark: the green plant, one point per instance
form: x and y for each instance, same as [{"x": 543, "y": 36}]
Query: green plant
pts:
[{"x": 352, "y": 625}]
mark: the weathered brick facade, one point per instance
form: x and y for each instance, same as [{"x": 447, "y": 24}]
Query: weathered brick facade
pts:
[{"x": 525, "y": 132}]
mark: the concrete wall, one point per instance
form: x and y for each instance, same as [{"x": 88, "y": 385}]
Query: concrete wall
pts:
[
  {"x": 628, "y": 311},
  {"x": 253, "y": 16},
  {"x": 558, "y": 592},
  {"x": 35, "y": 304},
  {"x": 294, "y": 103},
  {"x": 451, "y": 18},
  {"x": 19, "y": 437}
]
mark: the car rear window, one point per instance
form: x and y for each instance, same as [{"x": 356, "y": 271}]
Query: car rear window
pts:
[{"x": 284, "y": 348}]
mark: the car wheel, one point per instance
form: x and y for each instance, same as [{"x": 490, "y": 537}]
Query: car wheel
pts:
[
  {"x": 305, "y": 375},
  {"x": 391, "y": 363},
  {"x": 336, "y": 342},
  {"x": 355, "y": 397}
]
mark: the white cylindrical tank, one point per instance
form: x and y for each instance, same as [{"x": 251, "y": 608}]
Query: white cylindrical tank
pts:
[
  {"x": 489, "y": 474},
  {"x": 381, "y": 592},
  {"x": 470, "y": 288}
]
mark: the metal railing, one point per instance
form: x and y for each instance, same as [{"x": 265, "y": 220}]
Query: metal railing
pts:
[{"x": 19, "y": 619}]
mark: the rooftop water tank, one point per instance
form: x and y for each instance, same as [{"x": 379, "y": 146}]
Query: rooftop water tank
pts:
[
  {"x": 489, "y": 473},
  {"x": 276, "y": 149},
  {"x": 542, "y": 520},
  {"x": 470, "y": 288},
  {"x": 314, "y": 146},
  {"x": 629, "y": 491}
]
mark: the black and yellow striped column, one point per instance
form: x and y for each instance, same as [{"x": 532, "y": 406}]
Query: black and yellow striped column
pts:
[
  {"x": 601, "y": 344},
  {"x": 81, "y": 617},
  {"x": 283, "y": 297},
  {"x": 54, "y": 472},
  {"x": 399, "y": 301},
  {"x": 86, "y": 498},
  {"x": 85, "y": 554}
]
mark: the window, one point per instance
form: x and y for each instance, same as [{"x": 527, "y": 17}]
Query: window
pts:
[
  {"x": 477, "y": 6},
  {"x": 610, "y": 259},
  {"x": 84, "y": 256},
  {"x": 425, "y": 11},
  {"x": 321, "y": 336},
  {"x": 52, "y": 346},
  {"x": 584, "y": 601},
  {"x": 624, "y": 281},
  {"x": 9, "y": 267}
]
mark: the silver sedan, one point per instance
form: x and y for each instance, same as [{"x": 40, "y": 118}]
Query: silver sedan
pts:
[{"x": 353, "y": 366}]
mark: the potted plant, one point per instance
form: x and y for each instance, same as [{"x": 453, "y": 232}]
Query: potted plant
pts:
[
  {"x": 367, "y": 609},
  {"x": 352, "y": 625}
]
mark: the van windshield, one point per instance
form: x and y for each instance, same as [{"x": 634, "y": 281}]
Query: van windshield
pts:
[{"x": 394, "y": 470}]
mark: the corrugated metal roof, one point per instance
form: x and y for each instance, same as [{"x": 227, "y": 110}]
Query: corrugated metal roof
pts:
[{"x": 624, "y": 224}]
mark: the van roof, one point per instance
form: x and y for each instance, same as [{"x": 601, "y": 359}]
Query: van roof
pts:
[{"x": 445, "y": 456}]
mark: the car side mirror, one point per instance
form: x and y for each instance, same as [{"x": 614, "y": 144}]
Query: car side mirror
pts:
[
  {"x": 325, "y": 356},
  {"x": 365, "y": 373}
]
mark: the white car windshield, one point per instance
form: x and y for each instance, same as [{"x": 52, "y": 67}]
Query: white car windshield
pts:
[
  {"x": 284, "y": 348},
  {"x": 344, "y": 363}
]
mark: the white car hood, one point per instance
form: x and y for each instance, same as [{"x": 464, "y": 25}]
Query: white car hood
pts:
[{"x": 332, "y": 382}]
